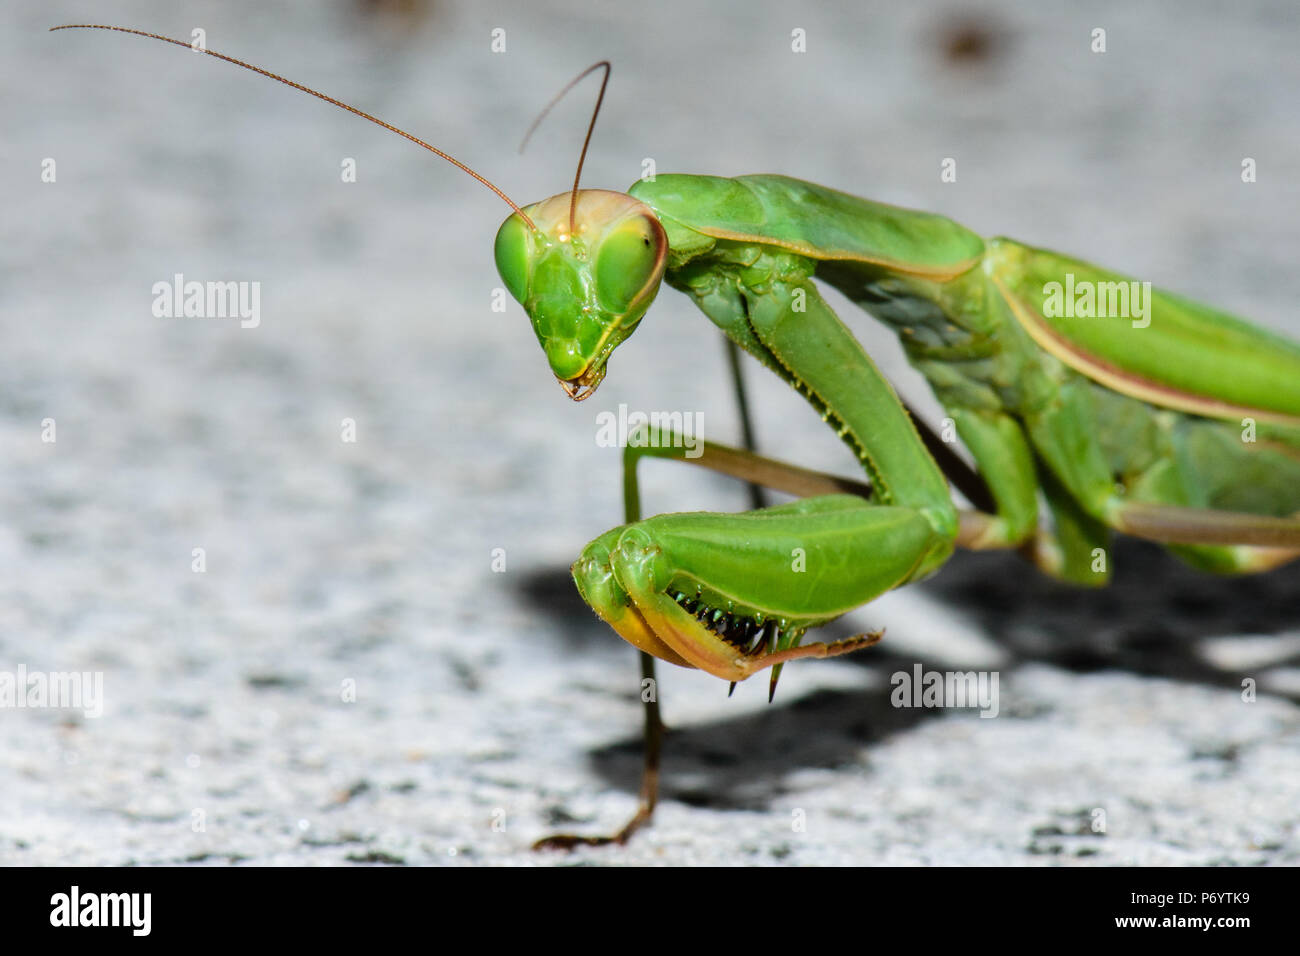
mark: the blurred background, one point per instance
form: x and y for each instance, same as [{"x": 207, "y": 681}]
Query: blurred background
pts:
[{"x": 489, "y": 708}]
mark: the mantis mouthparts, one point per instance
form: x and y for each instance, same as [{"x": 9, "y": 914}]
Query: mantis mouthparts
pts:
[{"x": 584, "y": 386}]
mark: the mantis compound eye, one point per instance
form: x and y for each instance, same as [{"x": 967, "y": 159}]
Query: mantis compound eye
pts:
[
  {"x": 513, "y": 249},
  {"x": 629, "y": 262}
]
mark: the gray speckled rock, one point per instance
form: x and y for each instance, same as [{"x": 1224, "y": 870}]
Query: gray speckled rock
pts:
[{"x": 349, "y": 680}]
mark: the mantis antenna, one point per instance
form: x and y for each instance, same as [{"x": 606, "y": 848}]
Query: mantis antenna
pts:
[
  {"x": 328, "y": 99},
  {"x": 582, "y": 157}
]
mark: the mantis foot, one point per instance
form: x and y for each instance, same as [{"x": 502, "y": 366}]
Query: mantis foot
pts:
[{"x": 571, "y": 841}]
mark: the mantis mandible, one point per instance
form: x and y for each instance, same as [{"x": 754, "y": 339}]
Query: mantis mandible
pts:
[{"x": 1119, "y": 407}]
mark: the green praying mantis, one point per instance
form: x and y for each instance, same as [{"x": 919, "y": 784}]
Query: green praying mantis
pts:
[{"x": 1119, "y": 407}]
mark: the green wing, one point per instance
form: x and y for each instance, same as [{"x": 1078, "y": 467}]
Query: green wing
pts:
[{"x": 1179, "y": 354}]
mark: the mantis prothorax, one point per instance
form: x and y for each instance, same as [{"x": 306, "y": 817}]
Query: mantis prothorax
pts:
[{"x": 1120, "y": 407}]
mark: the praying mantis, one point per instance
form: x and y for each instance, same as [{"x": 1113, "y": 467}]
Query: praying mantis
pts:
[{"x": 1117, "y": 407}]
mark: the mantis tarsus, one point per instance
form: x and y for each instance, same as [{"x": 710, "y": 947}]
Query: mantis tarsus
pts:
[{"x": 1168, "y": 420}]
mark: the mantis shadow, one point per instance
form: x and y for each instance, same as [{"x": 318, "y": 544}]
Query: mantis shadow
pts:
[{"x": 1150, "y": 621}]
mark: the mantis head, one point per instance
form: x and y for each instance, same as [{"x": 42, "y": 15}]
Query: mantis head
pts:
[
  {"x": 585, "y": 274},
  {"x": 585, "y": 264}
]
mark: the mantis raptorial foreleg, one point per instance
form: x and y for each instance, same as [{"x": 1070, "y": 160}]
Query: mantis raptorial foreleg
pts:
[
  {"x": 677, "y": 586},
  {"x": 758, "y": 472}
]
